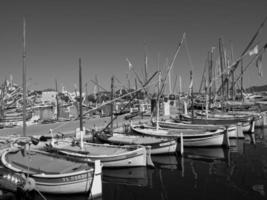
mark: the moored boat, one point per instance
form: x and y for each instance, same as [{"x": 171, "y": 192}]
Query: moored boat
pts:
[
  {"x": 234, "y": 131},
  {"x": 191, "y": 137},
  {"x": 54, "y": 174},
  {"x": 109, "y": 155},
  {"x": 158, "y": 145},
  {"x": 247, "y": 121}
]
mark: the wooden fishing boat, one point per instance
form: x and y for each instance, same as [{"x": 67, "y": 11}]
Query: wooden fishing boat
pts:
[
  {"x": 247, "y": 121},
  {"x": 191, "y": 137},
  {"x": 54, "y": 174},
  {"x": 158, "y": 145},
  {"x": 109, "y": 155},
  {"x": 234, "y": 131}
]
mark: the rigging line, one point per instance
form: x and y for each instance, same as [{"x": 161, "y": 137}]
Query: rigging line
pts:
[
  {"x": 125, "y": 106},
  {"x": 235, "y": 65},
  {"x": 251, "y": 61},
  {"x": 203, "y": 74},
  {"x": 38, "y": 191},
  {"x": 108, "y": 102},
  {"x": 97, "y": 84},
  {"x": 171, "y": 64}
]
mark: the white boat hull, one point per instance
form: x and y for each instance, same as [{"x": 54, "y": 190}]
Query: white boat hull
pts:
[
  {"x": 135, "y": 158},
  {"x": 195, "y": 139},
  {"x": 166, "y": 148},
  {"x": 79, "y": 181}
]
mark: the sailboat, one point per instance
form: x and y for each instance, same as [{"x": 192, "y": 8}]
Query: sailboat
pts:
[
  {"x": 246, "y": 121},
  {"x": 109, "y": 155},
  {"x": 158, "y": 145},
  {"x": 234, "y": 131},
  {"x": 45, "y": 172}
]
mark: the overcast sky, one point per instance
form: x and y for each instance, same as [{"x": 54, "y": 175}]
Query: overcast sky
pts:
[{"x": 105, "y": 33}]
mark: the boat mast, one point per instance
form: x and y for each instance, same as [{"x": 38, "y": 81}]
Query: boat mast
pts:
[
  {"x": 192, "y": 97},
  {"x": 241, "y": 80},
  {"x": 57, "y": 102},
  {"x": 251, "y": 42},
  {"x": 210, "y": 78},
  {"x": 232, "y": 74},
  {"x": 222, "y": 64},
  {"x": 80, "y": 91},
  {"x": 24, "y": 78},
  {"x": 158, "y": 99},
  {"x": 111, "y": 105}
]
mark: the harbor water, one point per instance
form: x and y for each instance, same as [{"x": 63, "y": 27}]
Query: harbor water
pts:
[
  {"x": 213, "y": 173},
  {"x": 239, "y": 172}
]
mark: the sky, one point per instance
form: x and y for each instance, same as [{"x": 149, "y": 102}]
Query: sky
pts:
[{"x": 104, "y": 33}]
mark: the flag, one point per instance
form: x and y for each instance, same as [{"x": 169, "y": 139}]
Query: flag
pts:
[
  {"x": 259, "y": 65},
  {"x": 129, "y": 64},
  {"x": 254, "y": 51}
]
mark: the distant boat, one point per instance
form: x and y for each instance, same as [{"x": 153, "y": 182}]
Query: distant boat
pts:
[
  {"x": 54, "y": 174},
  {"x": 109, "y": 155},
  {"x": 233, "y": 130},
  {"x": 191, "y": 137},
  {"x": 245, "y": 120},
  {"x": 158, "y": 145}
]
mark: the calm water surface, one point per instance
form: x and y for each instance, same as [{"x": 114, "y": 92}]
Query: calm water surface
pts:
[
  {"x": 206, "y": 173},
  {"x": 237, "y": 173}
]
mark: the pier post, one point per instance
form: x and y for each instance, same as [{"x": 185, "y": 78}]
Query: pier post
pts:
[
  {"x": 181, "y": 144},
  {"x": 239, "y": 130}
]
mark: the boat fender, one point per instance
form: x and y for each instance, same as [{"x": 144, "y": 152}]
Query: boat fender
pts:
[{"x": 29, "y": 184}]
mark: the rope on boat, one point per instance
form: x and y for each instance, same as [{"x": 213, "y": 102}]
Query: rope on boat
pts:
[{"x": 38, "y": 191}]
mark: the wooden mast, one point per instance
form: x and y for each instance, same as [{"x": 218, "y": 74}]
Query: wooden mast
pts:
[
  {"x": 210, "y": 78},
  {"x": 80, "y": 91},
  {"x": 111, "y": 104},
  {"x": 157, "y": 103},
  {"x": 192, "y": 96},
  {"x": 24, "y": 78},
  {"x": 57, "y": 102},
  {"x": 222, "y": 64},
  {"x": 232, "y": 74},
  {"x": 241, "y": 80}
]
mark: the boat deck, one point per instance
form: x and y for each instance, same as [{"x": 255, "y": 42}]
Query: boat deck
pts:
[{"x": 35, "y": 162}]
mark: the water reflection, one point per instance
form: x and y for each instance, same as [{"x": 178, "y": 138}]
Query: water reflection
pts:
[{"x": 134, "y": 176}]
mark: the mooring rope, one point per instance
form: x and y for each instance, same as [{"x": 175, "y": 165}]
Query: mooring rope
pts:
[{"x": 38, "y": 191}]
